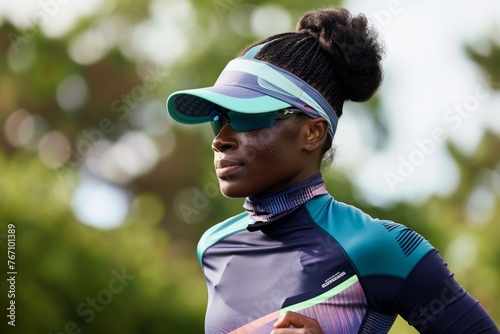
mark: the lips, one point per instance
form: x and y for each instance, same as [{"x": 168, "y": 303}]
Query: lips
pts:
[{"x": 225, "y": 167}]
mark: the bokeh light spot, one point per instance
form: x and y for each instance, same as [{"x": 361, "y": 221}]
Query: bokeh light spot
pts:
[
  {"x": 23, "y": 129},
  {"x": 100, "y": 204},
  {"x": 461, "y": 253},
  {"x": 135, "y": 153},
  {"x": 54, "y": 149},
  {"x": 72, "y": 92},
  {"x": 16, "y": 135},
  {"x": 270, "y": 19}
]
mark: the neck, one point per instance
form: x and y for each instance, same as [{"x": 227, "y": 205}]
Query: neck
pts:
[{"x": 272, "y": 207}]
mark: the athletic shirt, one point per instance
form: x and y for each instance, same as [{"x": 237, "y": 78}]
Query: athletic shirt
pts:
[{"x": 331, "y": 262}]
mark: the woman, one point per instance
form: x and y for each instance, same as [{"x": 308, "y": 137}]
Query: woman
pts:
[{"x": 298, "y": 261}]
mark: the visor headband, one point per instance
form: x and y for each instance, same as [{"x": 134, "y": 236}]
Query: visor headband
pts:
[{"x": 273, "y": 81}]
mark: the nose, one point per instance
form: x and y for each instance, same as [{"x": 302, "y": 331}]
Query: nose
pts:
[{"x": 226, "y": 139}]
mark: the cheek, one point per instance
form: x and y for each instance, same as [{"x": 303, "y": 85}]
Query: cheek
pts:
[{"x": 264, "y": 144}]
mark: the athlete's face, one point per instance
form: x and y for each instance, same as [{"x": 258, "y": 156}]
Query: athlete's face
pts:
[{"x": 263, "y": 161}]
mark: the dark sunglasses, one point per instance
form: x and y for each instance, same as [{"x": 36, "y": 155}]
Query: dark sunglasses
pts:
[{"x": 241, "y": 122}]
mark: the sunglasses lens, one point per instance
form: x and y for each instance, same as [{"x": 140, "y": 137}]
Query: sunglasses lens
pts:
[
  {"x": 217, "y": 122},
  {"x": 244, "y": 122},
  {"x": 241, "y": 122}
]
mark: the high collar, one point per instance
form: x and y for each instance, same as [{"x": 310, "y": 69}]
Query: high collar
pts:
[{"x": 266, "y": 209}]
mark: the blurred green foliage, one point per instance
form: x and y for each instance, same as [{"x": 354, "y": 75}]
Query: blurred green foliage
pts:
[
  {"x": 131, "y": 279},
  {"x": 143, "y": 277}
]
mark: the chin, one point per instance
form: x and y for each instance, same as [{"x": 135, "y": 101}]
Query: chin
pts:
[
  {"x": 233, "y": 194},
  {"x": 233, "y": 190}
]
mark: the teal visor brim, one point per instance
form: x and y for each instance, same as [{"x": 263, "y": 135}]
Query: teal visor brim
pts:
[{"x": 193, "y": 106}]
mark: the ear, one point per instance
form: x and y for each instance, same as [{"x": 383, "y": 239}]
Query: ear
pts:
[{"x": 316, "y": 131}]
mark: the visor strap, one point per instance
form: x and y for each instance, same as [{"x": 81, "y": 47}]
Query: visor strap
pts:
[{"x": 250, "y": 54}]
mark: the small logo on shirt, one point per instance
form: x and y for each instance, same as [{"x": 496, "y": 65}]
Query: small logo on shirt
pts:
[{"x": 332, "y": 279}]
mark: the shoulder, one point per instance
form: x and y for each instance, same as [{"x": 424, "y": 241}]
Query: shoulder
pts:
[
  {"x": 222, "y": 230},
  {"x": 375, "y": 247}
]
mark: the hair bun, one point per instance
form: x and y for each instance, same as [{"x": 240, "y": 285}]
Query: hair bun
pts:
[
  {"x": 316, "y": 25},
  {"x": 333, "y": 51},
  {"x": 352, "y": 46}
]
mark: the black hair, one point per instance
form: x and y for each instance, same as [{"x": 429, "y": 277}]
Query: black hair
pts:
[{"x": 333, "y": 51}]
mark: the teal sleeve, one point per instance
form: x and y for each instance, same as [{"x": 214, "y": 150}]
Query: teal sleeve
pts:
[{"x": 374, "y": 247}]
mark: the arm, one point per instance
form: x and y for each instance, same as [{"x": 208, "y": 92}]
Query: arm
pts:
[{"x": 432, "y": 301}]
